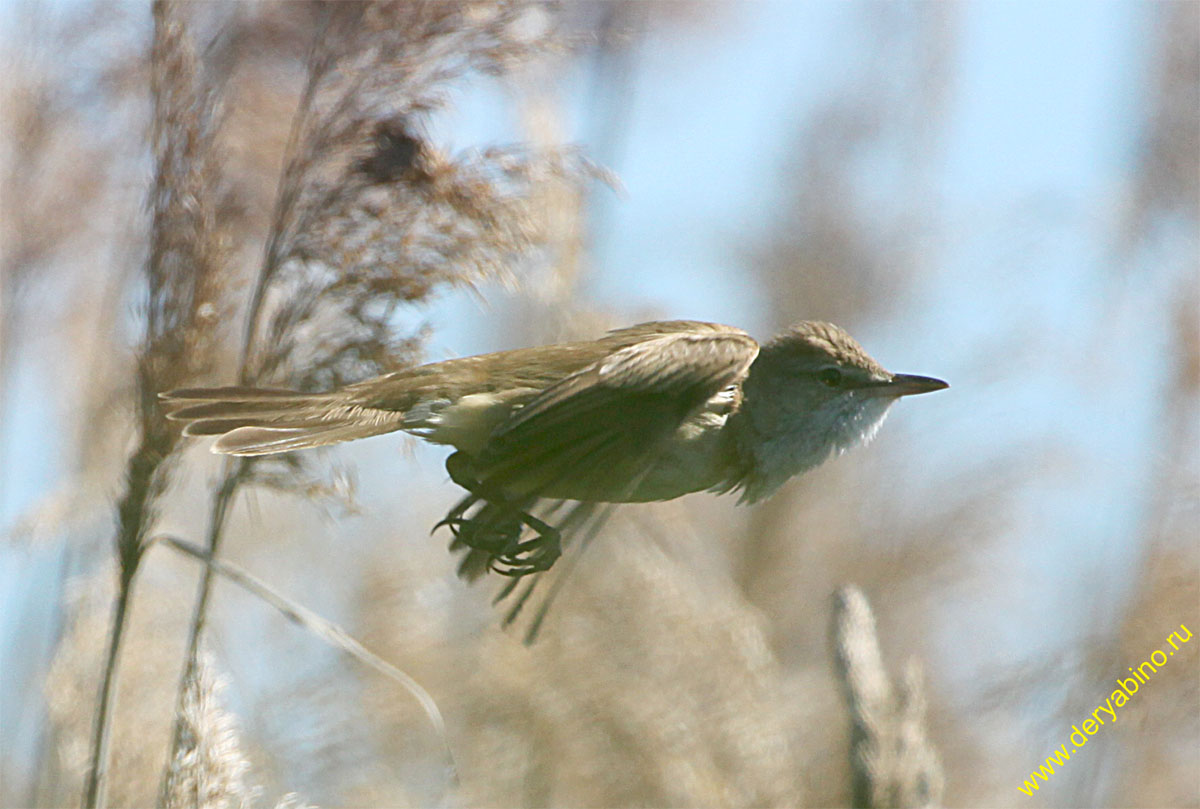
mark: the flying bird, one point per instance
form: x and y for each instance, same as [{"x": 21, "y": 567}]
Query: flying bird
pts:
[{"x": 645, "y": 413}]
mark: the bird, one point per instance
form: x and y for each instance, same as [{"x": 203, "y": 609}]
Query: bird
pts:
[{"x": 646, "y": 413}]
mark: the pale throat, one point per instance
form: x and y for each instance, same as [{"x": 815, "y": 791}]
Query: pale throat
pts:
[{"x": 790, "y": 443}]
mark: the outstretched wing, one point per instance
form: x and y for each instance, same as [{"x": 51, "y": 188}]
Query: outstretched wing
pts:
[{"x": 595, "y": 434}]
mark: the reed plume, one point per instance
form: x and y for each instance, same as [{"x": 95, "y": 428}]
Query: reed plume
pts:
[
  {"x": 371, "y": 217},
  {"x": 181, "y": 312}
]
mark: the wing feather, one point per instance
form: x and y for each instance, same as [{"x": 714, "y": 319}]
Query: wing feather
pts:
[{"x": 602, "y": 425}]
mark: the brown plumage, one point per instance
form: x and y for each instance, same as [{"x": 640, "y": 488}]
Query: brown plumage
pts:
[{"x": 649, "y": 412}]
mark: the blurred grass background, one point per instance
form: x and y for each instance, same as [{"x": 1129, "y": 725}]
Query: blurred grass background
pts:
[{"x": 1002, "y": 195}]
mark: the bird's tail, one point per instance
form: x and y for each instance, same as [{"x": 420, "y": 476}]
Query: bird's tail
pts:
[{"x": 264, "y": 421}]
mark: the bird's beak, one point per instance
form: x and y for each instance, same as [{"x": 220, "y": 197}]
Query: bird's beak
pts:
[{"x": 910, "y": 385}]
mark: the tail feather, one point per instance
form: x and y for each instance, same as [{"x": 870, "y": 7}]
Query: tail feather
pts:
[
  {"x": 248, "y": 441},
  {"x": 271, "y": 408},
  {"x": 219, "y": 426},
  {"x": 231, "y": 393},
  {"x": 254, "y": 421}
]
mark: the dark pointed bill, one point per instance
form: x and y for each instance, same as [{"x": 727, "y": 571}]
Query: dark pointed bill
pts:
[{"x": 910, "y": 385}]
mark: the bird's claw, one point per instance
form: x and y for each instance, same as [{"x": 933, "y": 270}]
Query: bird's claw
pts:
[
  {"x": 501, "y": 540},
  {"x": 454, "y": 524},
  {"x": 532, "y": 556},
  {"x": 455, "y": 519}
]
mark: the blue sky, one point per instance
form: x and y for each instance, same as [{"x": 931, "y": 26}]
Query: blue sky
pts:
[
  {"x": 1041, "y": 114},
  {"x": 1041, "y": 135},
  {"x": 1030, "y": 177},
  {"x": 1041, "y": 127}
]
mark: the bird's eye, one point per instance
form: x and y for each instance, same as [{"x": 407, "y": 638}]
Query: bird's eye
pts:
[{"x": 830, "y": 377}]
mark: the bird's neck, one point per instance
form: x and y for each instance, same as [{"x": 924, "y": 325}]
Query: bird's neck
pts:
[
  {"x": 768, "y": 455},
  {"x": 774, "y": 442}
]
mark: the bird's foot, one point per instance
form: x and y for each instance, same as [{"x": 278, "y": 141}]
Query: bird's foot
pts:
[
  {"x": 533, "y": 555},
  {"x": 456, "y": 520},
  {"x": 496, "y": 527}
]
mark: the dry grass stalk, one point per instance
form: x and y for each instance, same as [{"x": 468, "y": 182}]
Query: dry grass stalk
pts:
[
  {"x": 835, "y": 254},
  {"x": 208, "y": 770},
  {"x": 1166, "y": 190},
  {"x": 49, "y": 146},
  {"x": 653, "y": 684},
  {"x": 369, "y": 216},
  {"x": 895, "y": 764},
  {"x": 181, "y": 314},
  {"x": 146, "y": 690},
  {"x": 66, "y": 208},
  {"x": 326, "y": 630}
]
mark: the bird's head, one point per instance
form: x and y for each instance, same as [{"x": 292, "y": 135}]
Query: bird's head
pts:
[{"x": 812, "y": 392}]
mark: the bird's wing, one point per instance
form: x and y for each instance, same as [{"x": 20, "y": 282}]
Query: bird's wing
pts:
[
  {"x": 597, "y": 431},
  {"x": 629, "y": 335}
]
